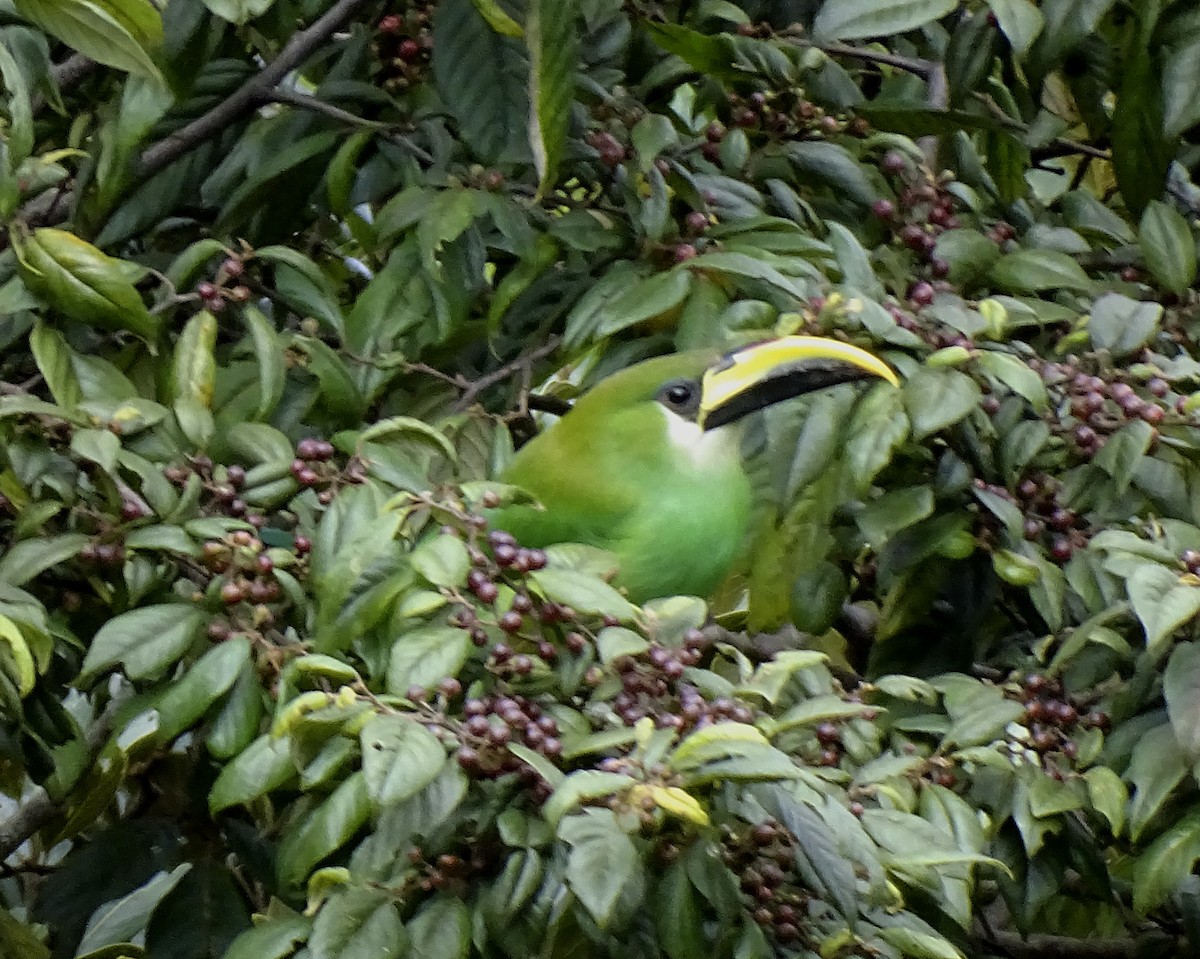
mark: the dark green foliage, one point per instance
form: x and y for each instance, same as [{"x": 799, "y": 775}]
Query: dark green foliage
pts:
[{"x": 283, "y": 283}]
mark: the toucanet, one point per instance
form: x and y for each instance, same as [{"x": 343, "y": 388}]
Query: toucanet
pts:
[{"x": 647, "y": 464}]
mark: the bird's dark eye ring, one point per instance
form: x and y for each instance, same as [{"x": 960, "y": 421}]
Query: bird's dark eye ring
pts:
[{"x": 678, "y": 394}]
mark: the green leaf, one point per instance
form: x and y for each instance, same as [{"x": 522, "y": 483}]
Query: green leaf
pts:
[
  {"x": 1158, "y": 766},
  {"x": 877, "y": 428},
  {"x": 856, "y": 19},
  {"x": 442, "y": 560},
  {"x": 482, "y": 78},
  {"x": 1020, "y": 21},
  {"x": 497, "y": 19},
  {"x": 637, "y": 302},
  {"x": 581, "y": 785},
  {"x": 274, "y": 938},
  {"x": 1181, "y": 690},
  {"x": 338, "y": 388},
  {"x": 268, "y": 354},
  {"x": 400, "y": 758},
  {"x": 324, "y": 830},
  {"x": 264, "y": 765},
  {"x": 586, "y": 593},
  {"x": 119, "y": 33},
  {"x": 1167, "y": 862},
  {"x": 121, "y": 919},
  {"x": 99, "y": 446},
  {"x": 412, "y": 427},
  {"x": 54, "y": 360},
  {"x": 551, "y": 41},
  {"x": 834, "y": 165},
  {"x": 1016, "y": 375},
  {"x": 19, "y": 659},
  {"x": 194, "y": 368},
  {"x": 1030, "y": 271},
  {"x": 76, "y": 278},
  {"x": 893, "y": 511},
  {"x": 189, "y": 698},
  {"x": 426, "y": 656},
  {"x": 441, "y": 929},
  {"x": 28, "y": 559},
  {"x": 1108, "y": 796},
  {"x": 919, "y": 945},
  {"x": 603, "y": 864},
  {"x": 1140, "y": 155},
  {"x": 968, "y": 253},
  {"x": 936, "y": 398},
  {"x": 1124, "y": 451},
  {"x": 358, "y": 922},
  {"x": 1181, "y": 88},
  {"x": 1168, "y": 246},
  {"x": 239, "y": 11},
  {"x": 143, "y": 642},
  {"x": 1161, "y": 600}
]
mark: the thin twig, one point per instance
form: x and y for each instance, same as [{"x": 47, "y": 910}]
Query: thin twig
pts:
[
  {"x": 520, "y": 364},
  {"x": 38, "y": 809},
  {"x": 298, "y": 49},
  {"x": 933, "y": 72},
  {"x": 1058, "y": 143},
  {"x": 306, "y": 102},
  {"x": 1043, "y": 946},
  {"x": 64, "y": 76}
]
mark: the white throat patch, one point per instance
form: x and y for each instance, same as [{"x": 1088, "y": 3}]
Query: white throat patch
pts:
[{"x": 699, "y": 446}]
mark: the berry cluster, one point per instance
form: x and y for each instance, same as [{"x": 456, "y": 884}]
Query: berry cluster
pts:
[
  {"x": 924, "y": 209},
  {"x": 762, "y": 857},
  {"x": 1051, "y": 717},
  {"x": 403, "y": 46},
  {"x": 215, "y": 292},
  {"x": 453, "y": 870},
  {"x": 785, "y": 113},
  {"x": 491, "y": 723},
  {"x": 313, "y": 468},
  {"x": 1047, "y": 520},
  {"x": 244, "y": 583},
  {"x": 1098, "y": 405},
  {"x": 650, "y": 686},
  {"x": 222, "y": 487}
]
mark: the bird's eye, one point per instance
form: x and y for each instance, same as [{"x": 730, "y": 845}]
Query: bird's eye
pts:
[{"x": 678, "y": 395}]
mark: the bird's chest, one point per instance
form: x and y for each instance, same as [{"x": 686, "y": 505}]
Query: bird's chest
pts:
[{"x": 688, "y": 537}]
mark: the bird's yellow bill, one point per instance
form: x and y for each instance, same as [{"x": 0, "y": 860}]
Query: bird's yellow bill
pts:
[{"x": 768, "y": 372}]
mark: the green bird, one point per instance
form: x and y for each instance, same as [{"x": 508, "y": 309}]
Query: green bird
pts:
[{"x": 647, "y": 464}]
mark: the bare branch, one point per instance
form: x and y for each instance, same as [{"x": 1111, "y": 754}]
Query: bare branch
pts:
[
  {"x": 933, "y": 72},
  {"x": 64, "y": 76},
  {"x": 298, "y": 49},
  {"x": 1042, "y": 946},
  {"x": 38, "y": 809},
  {"x": 519, "y": 365},
  {"x": 305, "y": 102}
]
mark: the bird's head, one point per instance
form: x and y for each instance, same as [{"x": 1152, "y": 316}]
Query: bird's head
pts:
[{"x": 705, "y": 390}]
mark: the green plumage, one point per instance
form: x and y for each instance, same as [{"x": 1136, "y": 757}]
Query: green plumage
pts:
[{"x": 670, "y": 500}]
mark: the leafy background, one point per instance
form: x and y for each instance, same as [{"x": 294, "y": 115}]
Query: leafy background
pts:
[{"x": 283, "y": 283}]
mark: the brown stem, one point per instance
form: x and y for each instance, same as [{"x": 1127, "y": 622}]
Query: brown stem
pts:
[
  {"x": 38, "y": 809},
  {"x": 306, "y": 102},
  {"x": 299, "y": 48},
  {"x": 519, "y": 365}
]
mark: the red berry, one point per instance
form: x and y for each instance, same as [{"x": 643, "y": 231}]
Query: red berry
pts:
[
  {"x": 921, "y": 293},
  {"x": 408, "y": 50},
  {"x": 883, "y": 209},
  {"x": 894, "y": 162},
  {"x": 1061, "y": 549},
  {"x": 683, "y": 252}
]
